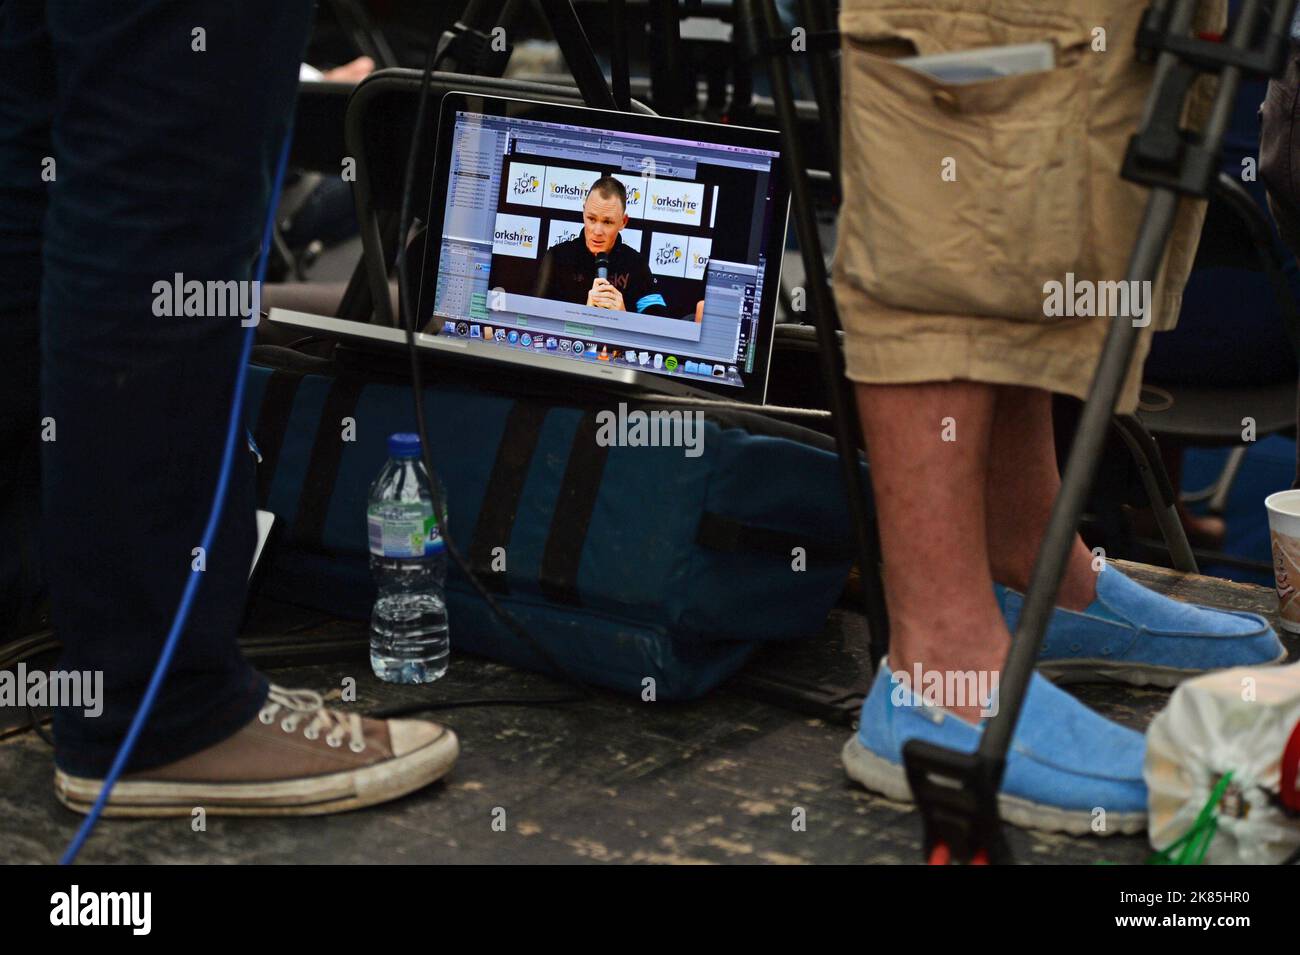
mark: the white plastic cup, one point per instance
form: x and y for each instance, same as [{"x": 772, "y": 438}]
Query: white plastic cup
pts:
[{"x": 1284, "y": 530}]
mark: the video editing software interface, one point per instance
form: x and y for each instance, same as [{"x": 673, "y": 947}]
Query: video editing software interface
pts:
[{"x": 664, "y": 274}]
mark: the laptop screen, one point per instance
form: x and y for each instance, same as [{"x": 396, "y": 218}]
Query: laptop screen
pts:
[{"x": 603, "y": 245}]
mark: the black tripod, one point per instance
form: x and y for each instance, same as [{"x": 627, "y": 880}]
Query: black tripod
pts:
[
  {"x": 478, "y": 44},
  {"x": 957, "y": 792}
]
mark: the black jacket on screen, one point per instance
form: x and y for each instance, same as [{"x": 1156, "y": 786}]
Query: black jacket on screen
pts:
[{"x": 569, "y": 268}]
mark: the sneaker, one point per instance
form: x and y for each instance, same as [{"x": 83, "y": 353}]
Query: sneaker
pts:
[
  {"x": 296, "y": 758},
  {"x": 1065, "y": 764},
  {"x": 1133, "y": 635}
]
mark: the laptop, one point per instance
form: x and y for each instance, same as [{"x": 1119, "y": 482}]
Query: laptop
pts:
[{"x": 620, "y": 248}]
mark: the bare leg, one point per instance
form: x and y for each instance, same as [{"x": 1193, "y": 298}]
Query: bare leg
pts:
[
  {"x": 1022, "y": 485},
  {"x": 930, "y": 501}
]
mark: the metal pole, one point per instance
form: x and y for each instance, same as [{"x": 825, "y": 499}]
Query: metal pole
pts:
[
  {"x": 672, "y": 94},
  {"x": 1112, "y": 368},
  {"x": 578, "y": 54},
  {"x": 825, "y": 88},
  {"x": 618, "y": 65},
  {"x": 844, "y": 412}
]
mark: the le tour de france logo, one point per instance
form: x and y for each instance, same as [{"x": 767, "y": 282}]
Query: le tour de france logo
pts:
[
  {"x": 524, "y": 185},
  {"x": 668, "y": 254}
]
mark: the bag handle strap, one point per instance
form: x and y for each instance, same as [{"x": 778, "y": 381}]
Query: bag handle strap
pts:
[
  {"x": 574, "y": 506},
  {"x": 323, "y": 468},
  {"x": 505, "y": 489}
]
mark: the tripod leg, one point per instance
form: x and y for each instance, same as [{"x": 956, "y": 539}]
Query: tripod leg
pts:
[
  {"x": 673, "y": 95},
  {"x": 844, "y": 411},
  {"x": 578, "y": 54},
  {"x": 618, "y": 66},
  {"x": 1112, "y": 367},
  {"x": 826, "y": 88}
]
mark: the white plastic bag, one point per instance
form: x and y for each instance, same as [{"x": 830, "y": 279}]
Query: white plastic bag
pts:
[{"x": 1234, "y": 720}]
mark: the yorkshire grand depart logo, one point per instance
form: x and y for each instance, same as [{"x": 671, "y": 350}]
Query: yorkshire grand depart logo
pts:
[
  {"x": 698, "y": 252},
  {"x": 567, "y": 188},
  {"x": 674, "y": 201},
  {"x": 682, "y": 204},
  {"x": 515, "y": 235}
]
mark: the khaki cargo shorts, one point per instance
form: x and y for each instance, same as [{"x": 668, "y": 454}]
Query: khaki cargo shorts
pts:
[{"x": 962, "y": 202}]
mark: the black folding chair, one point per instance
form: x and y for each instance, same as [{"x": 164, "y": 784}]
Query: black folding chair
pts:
[{"x": 1237, "y": 235}]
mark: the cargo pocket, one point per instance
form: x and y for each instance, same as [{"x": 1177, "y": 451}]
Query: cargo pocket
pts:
[{"x": 962, "y": 198}]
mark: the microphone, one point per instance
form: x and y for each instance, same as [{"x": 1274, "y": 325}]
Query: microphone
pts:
[{"x": 602, "y": 266}]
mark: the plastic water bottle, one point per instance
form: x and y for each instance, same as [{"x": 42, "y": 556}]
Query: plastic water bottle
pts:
[{"x": 408, "y": 557}]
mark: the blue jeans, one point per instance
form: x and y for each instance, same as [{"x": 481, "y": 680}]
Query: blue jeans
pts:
[{"x": 129, "y": 155}]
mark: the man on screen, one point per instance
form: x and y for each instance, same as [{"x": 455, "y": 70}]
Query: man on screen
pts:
[{"x": 571, "y": 271}]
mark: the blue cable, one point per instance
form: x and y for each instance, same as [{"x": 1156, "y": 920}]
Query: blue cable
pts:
[{"x": 214, "y": 520}]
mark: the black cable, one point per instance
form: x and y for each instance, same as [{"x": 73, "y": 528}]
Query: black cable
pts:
[
  {"x": 36, "y": 725},
  {"x": 306, "y": 340},
  {"x": 417, "y": 385},
  {"x": 429, "y": 70},
  {"x": 307, "y": 625}
]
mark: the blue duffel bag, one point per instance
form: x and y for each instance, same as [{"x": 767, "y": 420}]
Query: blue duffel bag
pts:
[{"x": 624, "y": 562}]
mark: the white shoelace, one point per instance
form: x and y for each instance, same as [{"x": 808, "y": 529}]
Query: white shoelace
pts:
[{"x": 298, "y": 705}]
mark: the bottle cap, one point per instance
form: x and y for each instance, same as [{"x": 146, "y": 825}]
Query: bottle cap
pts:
[{"x": 404, "y": 445}]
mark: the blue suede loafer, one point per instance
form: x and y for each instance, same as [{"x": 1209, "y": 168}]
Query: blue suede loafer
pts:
[
  {"x": 1133, "y": 635},
  {"x": 1069, "y": 769}
]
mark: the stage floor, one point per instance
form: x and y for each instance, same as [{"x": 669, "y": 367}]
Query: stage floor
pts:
[{"x": 608, "y": 779}]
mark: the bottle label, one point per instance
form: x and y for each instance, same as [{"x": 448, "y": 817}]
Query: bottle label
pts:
[{"x": 403, "y": 530}]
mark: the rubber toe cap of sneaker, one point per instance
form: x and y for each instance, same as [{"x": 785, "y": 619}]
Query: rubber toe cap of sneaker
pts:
[{"x": 407, "y": 736}]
